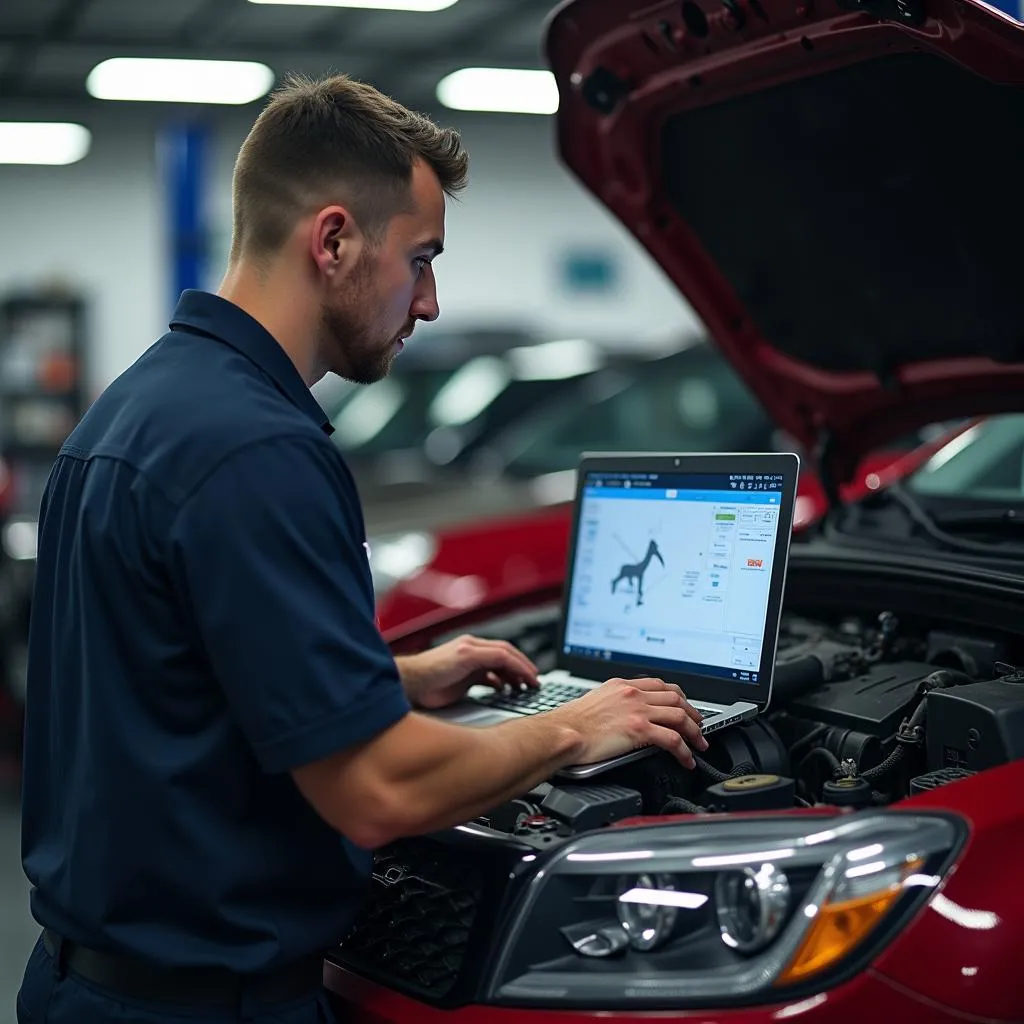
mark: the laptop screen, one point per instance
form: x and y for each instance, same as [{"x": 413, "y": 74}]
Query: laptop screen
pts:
[{"x": 673, "y": 571}]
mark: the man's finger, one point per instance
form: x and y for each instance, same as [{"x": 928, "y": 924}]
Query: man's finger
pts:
[
  {"x": 676, "y": 718},
  {"x": 498, "y": 656},
  {"x": 663, "y": 698},
  {"x": 649, "y": 684},
  {"x": 670, "y": 740}
]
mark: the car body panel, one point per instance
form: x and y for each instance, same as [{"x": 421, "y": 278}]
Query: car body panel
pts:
[
  {"x": 362, "y": 1002},
  {"x": 963, "y": 951}
]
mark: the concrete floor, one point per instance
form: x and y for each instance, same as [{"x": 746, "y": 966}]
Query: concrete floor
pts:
[{"x": 18, "y": 932}]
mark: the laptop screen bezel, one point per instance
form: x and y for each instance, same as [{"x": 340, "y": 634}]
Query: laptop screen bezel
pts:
[{"x": 712, "y": 689}]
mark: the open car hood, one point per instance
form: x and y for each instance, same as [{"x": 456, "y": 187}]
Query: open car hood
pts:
[{"x": 834, "y": 186}]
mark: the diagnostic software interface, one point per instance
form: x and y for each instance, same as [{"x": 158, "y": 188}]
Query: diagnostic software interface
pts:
[{"x": 673, "y": 570}]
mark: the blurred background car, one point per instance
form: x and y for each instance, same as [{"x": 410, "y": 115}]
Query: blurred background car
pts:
[{"x": 499, "y": 432}]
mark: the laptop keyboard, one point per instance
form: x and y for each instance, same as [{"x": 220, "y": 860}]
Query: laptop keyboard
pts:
[
  {"x": 532, "y": 702},
  {"x": 549, "y": 696}
]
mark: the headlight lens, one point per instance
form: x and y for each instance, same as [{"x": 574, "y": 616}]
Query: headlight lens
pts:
[
  {"x": 751, "y": 905},
  {"x": 718, "y": 910}
]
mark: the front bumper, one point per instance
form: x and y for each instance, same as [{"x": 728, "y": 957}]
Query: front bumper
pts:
[{"x": 868, "y": 996}]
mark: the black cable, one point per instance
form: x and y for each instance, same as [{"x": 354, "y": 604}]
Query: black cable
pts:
[
  {"x": 677, "y": 805},
  {"x": 713, "y": 773},
  {"x": 880, "y": 771}
]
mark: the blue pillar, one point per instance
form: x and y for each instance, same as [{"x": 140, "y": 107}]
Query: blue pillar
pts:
[{"x": 183, "y": 152}]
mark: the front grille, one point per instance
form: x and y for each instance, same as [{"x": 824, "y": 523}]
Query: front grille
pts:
[{"x": 414, "y": 931}]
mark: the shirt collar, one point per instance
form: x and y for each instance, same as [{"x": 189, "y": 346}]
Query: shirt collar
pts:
[{"x": 223, "y": 320}]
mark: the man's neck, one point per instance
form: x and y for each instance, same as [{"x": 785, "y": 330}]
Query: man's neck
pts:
[{"x": 275, "y": 306}]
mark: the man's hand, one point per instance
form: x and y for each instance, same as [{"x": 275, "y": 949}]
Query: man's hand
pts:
[
  {"x": 624, "y": 714},
  {"x": 439, "y": 677}
]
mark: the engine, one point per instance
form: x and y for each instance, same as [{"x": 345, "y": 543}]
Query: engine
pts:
[{"x": 865, "y": 712}]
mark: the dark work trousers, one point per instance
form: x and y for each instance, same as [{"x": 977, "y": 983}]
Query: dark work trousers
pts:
[{"x": 47, "y": 997}]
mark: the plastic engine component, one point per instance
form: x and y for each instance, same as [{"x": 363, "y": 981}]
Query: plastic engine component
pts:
[
  {"x": 873, "y": 703},
  {"x": 586, "y": 807},
  {"x": 751, "y": 793},
  {"x": 939, "y": 777},
  {"x": 977, "y": 726},
  {"x": 850, "y": 792}
]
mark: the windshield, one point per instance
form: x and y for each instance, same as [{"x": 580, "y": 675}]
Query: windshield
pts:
[
  {"x": 440, "y": 410},
  {"x": 984, "y": 463},
  {"x": 691, "y": 401}
]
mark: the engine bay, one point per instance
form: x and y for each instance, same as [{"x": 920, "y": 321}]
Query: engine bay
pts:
[
  {"x": 884, "y": 688},
  {"x": 866, "y": 711}
]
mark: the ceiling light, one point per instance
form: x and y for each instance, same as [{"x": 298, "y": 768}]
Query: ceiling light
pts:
[
  {"x": 422, "y": 6},
  {"x": 43, "y": 142},
  {"x": 161, "y": 80},
  {"x": 502, "y": 90}
]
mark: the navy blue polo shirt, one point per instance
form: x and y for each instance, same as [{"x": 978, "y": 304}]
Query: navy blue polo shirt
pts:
[{"x": 203, "y": 623}]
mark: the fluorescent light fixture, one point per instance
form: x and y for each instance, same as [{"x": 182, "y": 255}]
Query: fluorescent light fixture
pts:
[
  {"x": 420, "y": 6},
  {"x": 164, "y": 80},
  {"x": 502, "y": 90},
  {"x": 43, "y": 142}
]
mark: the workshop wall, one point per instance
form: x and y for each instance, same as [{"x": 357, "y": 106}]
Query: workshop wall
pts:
[{"x": 525, "y": 244}]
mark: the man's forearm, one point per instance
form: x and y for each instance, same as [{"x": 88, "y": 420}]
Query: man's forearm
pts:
[
  {"x": 423, "y": 774},
  {"x": 497, "y": 764}
]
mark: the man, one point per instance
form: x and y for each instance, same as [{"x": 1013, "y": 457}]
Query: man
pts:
[{"x": 216, "y": 733}]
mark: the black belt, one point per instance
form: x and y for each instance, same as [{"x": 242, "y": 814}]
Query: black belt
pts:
[{"x": 188, "y": 986}]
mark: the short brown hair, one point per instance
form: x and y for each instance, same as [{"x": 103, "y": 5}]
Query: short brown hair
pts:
[{"x": 318, "y": 137}]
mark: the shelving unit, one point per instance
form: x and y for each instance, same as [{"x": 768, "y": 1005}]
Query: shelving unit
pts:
[{"x": 42, "y": 386}]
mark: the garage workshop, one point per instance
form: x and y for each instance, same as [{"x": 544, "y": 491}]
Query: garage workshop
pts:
[{"x": 511, "y": 512}]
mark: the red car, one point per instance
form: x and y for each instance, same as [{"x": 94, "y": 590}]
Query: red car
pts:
[{"x": 810, "y": 175}]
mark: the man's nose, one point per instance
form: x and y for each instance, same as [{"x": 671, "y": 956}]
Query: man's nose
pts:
[{"x": 424, "y": 304}]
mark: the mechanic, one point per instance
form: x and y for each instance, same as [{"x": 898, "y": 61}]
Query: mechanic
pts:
[{"x": 210, "y": 702}]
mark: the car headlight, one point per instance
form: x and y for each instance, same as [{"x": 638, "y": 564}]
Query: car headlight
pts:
[
  {"x": 712, "y": 911},
  {"x": 396, "y": 557}
]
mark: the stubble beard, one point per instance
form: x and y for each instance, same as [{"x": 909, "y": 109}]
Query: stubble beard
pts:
[{"x": 349, "y": 331}]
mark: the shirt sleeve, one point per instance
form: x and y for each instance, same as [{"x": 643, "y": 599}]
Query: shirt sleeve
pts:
[{"x": 270, "y": 558}]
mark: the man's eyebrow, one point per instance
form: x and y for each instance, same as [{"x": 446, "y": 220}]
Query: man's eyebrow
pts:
[{"x": 434, "y": 246}]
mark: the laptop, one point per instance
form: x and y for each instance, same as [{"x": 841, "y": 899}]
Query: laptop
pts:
[{"x": 677, "y": 566}]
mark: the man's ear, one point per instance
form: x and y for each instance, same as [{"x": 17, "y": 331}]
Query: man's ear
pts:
[{"x": 335, "y": 241}]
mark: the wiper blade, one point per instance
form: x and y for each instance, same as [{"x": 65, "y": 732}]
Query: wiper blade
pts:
[
  {"x": 980, "y": 517},
  {"x": 937, "y": 530}
]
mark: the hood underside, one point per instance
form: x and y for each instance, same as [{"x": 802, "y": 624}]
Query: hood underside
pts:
[{"x": 835, "y": 191}]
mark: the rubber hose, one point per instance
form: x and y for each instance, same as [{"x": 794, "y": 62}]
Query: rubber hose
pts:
[{"x": 820, "y": 754}]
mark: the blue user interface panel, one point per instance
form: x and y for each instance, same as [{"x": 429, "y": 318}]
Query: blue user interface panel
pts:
[{"x": 674, "y": 571}]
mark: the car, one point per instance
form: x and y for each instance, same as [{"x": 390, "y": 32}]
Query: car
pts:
[
  {"x": 688, "y": 400},
  {"x": 426, "y": 575},
  {"x": 812, "y": 178},
  {"x": 420, "y": 440}
]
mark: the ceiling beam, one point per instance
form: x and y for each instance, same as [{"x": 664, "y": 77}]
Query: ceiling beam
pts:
[{"x": 59, "y": 25}]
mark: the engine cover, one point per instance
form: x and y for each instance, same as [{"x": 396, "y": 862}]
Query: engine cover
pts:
[
  {"x": 873, "y": 703},
  {"x": 977, "y": 726}
]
